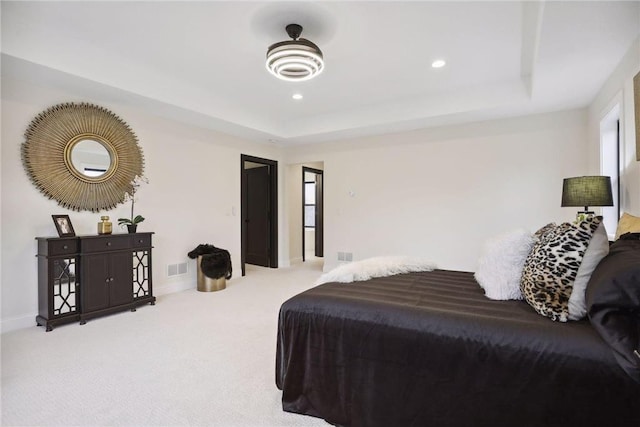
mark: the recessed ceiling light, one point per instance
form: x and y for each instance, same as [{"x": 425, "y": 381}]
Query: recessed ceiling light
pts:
[
  {"x": 439, "y": 63},
  {"x": 297, "y": 96}
]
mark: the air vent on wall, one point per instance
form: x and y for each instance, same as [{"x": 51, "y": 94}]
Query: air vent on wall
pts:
[{"x": 177, "y": 269}]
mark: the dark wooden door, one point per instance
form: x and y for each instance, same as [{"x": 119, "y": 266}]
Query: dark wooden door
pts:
[
  {"x": 319, "y": 235},
  {"x": 318, "y": 209},
  {"x": 121, "y": 273},
  {"x": 257, "y": 215}
]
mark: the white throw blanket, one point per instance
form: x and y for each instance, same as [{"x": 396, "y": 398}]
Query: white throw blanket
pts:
[{"x": 375, "y": 267}]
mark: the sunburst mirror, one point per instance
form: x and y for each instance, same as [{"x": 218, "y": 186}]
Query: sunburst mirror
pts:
[{"x": 82, "y": 155}]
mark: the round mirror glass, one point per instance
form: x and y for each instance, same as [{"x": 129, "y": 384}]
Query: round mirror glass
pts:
[{"x": 90, "y": 158}]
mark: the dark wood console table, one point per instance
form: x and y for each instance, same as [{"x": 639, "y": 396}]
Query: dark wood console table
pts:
[{"x": 88, "y": 276}]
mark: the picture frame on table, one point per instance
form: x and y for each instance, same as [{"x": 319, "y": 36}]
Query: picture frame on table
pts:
[{"x": 63, "y": 225}]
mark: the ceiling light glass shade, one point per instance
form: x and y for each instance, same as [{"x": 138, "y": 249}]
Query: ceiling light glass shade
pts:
[{"x": 295, "y": 60}]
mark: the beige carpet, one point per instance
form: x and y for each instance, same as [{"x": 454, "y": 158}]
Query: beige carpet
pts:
[{"x": 203, "y": 359}]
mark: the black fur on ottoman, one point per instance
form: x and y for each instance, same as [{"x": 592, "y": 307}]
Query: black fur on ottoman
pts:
[{"x": 216, "y": 262}]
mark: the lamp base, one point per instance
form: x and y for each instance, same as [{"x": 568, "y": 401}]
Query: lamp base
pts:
[{"x": 584, "y": 215}]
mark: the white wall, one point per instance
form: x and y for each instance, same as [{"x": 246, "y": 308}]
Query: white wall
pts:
[
  {"x": 436, "y": 192},
  {"x": 441, "y": 192},
  {"x": 618, "y": 89},
  {"x": 194, "y": 184},
  {"x": 309, "y": 240}
]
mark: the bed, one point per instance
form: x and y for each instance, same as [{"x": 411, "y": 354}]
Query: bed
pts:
[{"x": 429, "y": 349}]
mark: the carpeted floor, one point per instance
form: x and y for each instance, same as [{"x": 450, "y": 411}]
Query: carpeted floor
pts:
[{"x": 204, "y": 359}]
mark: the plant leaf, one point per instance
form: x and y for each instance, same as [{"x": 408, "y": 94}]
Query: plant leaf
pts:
[{"x": 137, "y": 219}]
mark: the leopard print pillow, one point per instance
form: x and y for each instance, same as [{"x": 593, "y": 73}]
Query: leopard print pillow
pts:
[
  {"x": 552, "y": 266},
  {"x": 544, "y": 230}
]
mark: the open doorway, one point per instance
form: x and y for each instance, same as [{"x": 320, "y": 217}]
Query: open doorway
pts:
[
  {"x": 312, "y": 213},
  {"x": 259, "y": 212},
  {"x": 610, "y": 165}
]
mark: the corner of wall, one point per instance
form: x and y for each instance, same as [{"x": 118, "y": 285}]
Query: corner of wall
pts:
[{"x": 293, "y": 261}]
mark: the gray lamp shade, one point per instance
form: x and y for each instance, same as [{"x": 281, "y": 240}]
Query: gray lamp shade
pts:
[{"x": 587, "y": 191}]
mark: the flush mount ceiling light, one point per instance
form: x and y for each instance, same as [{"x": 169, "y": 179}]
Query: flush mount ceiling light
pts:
[
  {"x": 294, "y": 60},
  {"x": 438, "y": 63}
]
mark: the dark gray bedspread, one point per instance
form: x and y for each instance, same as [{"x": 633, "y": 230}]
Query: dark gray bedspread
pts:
[{"x": 429, "y": 349}]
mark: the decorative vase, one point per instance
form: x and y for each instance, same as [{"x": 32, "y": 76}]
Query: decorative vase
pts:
[
  {"x": 105, "y": 226},
  {"x": 132, "y": 228}
]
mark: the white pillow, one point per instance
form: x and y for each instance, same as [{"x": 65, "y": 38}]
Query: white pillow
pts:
[
  {"x": 598, "y": 248},
  {"x": 375, "y": 267},
  {"x": 501, "y": 263}
]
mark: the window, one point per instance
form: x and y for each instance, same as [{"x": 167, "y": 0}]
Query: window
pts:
[
  {"x": 309, "y": 203},
  {"x": 94, "y": 172}
]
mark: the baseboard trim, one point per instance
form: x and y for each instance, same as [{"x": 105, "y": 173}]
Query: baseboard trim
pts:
[
  {"x": 173, "y": 287},
  {"x": 16, "y": 323}
]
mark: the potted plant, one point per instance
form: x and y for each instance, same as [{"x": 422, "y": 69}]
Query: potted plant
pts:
[{"x": 132, "y": 223}]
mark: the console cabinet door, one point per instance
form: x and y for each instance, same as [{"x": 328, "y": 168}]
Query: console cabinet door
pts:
[
  {"x": 95, "y": 283},
  {"x": 107, "y": 280},
  {"x": 121, "y": 275}
]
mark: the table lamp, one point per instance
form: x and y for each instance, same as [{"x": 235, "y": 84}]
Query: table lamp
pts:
[{"x": 587, "y": 191}]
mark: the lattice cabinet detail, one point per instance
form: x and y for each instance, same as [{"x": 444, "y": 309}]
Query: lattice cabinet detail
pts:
[
  {"x": 88, "y": 276},
  {"x": 141, "y": 279},
  {"x": 64, "y": 285}
]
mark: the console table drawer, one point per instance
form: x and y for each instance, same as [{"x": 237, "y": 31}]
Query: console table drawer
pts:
[
  {"x": 141, "y": 240},
  {"x": 110, "y": 243},
  {"x": 63, "y": 247}
]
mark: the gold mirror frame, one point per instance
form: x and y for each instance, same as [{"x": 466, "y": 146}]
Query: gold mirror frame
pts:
[{"x": 46, "y": 155}]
